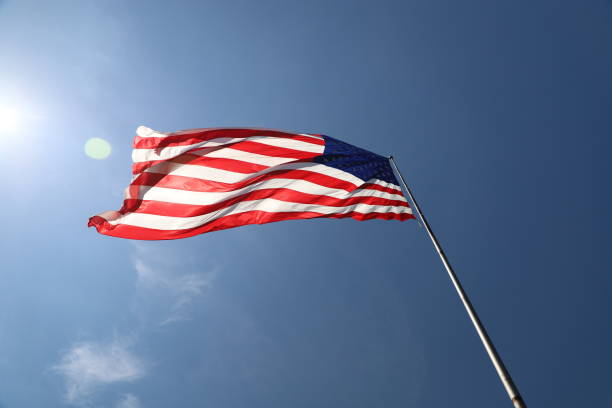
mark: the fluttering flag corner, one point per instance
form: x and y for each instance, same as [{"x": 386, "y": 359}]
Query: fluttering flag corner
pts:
[{"x": 195, "y": 181}]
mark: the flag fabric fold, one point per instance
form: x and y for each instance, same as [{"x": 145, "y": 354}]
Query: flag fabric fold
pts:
[{"x": 195, "y": 181}]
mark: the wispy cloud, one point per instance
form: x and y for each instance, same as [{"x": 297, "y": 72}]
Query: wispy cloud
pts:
[
  {"x": 168, "y": 279},
  {"x": 129, "y": 401},
  {"x": 88, "y": 365}
]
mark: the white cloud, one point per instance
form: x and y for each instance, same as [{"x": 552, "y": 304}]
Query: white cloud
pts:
[
  {"x": 88, "y": 365},
  {"x": 129, "y": 401},
  {"x": 170, "y": 282}
]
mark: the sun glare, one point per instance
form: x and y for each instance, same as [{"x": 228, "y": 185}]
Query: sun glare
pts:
[{"x": 10, "y": 120}]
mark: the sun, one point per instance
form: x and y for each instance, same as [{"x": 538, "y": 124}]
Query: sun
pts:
[{"x": 10, "y": 119}]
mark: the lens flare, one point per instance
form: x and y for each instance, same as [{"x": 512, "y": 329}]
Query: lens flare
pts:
[{"x": 97, "y": 148}]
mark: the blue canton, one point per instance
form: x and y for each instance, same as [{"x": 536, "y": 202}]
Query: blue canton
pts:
[{"x": 359, "y": 162}]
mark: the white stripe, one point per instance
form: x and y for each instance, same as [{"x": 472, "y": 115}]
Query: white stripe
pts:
[
  {"x": 288, "y": 143},
  {"x": 144, "y": 155},
  {"x": 229, "y": 153},
  {"x": 144, "y": 131},
  {"x": 385, "y": 184},
  {"x": 380, "y": 194},
  {"x": 226, "y": 176},
  {"x": 162, "y": 222},
  {"x": 175, "y": 196},
  {"x": 200, "y": 172},
  {"x": 313, "y": 136}
]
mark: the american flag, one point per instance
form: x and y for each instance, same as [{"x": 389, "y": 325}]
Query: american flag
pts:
[{"x": 195, "y": 181}]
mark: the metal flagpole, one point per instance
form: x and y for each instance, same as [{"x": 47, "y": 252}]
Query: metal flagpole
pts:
[{"x": 503, "y": 373}]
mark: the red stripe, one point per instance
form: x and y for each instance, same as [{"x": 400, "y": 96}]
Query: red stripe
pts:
[
  {"x": 230, "y": 221},
  {"x": 195, "y": 184},
  {"x": 236, "y": 166},
  {"x": 139, "y": 167},
  {"x": 271, "y": 151},
  {"x": 190, "y": 138},
  {"x": 281, "y": 194}
]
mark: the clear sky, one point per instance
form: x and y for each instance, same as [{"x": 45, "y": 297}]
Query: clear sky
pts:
[{"x": 498, "y": 113}]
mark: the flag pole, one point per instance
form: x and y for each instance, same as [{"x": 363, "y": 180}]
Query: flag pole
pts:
[{"x": 502, "y": 372}]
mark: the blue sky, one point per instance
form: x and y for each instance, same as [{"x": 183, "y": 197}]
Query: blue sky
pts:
[{"x": 498, "y": 114}]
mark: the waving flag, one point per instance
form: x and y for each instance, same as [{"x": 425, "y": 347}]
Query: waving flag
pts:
[{"x": 195, "y": 181}]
